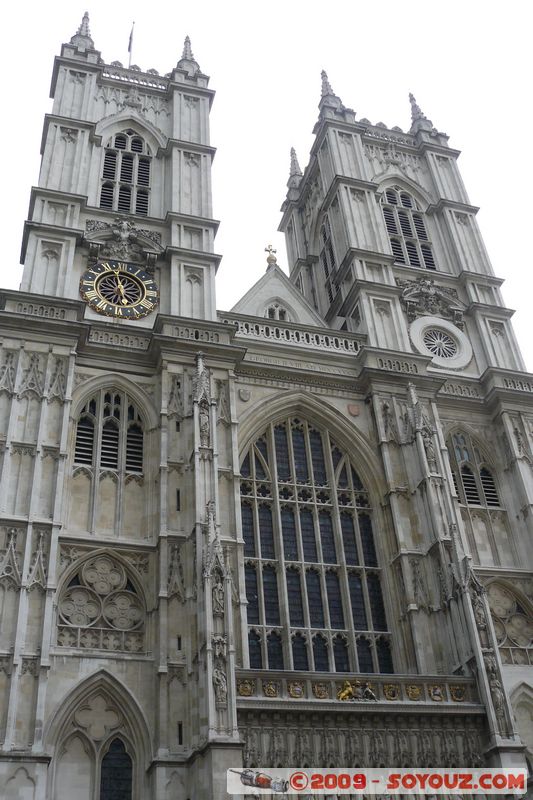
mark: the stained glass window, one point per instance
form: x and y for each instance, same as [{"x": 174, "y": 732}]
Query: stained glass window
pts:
[
  {"x": 116, "y": 773},
  {"x": 312, "y": 564}
]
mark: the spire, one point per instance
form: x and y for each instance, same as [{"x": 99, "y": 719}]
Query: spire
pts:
[
  {"x": 295, "y": 173},
  {"x": 187, "y": 51},
  {"x": 187, "y": 60},
  {"x": 329, "y": 101},
  {"x": 82, "y": 38},
  {"x": 419, "y": 121},
  {"x": 326, "y": 85}
]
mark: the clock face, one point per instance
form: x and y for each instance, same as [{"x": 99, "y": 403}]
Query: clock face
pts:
[{"x": 118, "y": 289}]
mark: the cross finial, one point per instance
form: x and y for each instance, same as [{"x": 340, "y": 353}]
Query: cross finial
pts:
[{"x": 271, "y": 259}]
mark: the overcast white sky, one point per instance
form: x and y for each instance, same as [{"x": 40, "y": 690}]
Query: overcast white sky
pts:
[{"x": 468, "y": 64}]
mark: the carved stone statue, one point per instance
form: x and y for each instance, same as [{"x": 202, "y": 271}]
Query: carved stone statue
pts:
[
  {"x": 218, "y": 595},
  {"x": 429, "y": 447},
  {"x": 220, "y": 684}
]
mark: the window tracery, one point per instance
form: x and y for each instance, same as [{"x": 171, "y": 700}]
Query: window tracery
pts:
[
  {"x": 312, "y": 577},
  {"x": 513, "y": 625},
  {"x": 109, "y": 433},
  {"x": 407, "y": 230},
  {"x": 126, "y": 174},
  {"x": 101, "y": 609},
  {"x": 276, "y": 311},
  {"x": 483, "y": 512}
]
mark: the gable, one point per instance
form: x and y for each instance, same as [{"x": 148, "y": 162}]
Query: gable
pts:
[{"x": 275, "y": 289}]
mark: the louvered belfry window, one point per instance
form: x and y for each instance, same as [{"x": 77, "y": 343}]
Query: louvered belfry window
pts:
[
  {"x": 126, "y": 172},
  {"x": 313, "y": 581},
  {"x": 109, "y": 433},
  {"x": 472, "y": 476},
  {"x": 407, "y": 229}
]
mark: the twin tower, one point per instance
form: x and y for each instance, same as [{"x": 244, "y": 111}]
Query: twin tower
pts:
[{"x": 297, "y": 533}]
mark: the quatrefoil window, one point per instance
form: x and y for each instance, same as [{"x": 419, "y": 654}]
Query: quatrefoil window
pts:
[{"x": 100, "y": 609}]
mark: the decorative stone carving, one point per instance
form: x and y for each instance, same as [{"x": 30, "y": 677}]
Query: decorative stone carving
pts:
[
  {"x": 202, "y": 396},
  {"x": 271, "y": 688},
  {"x": 219, "y": 647},
  {"x": 6, "y": 664},
  {"x": 37, "y": 575},
  {"x": 391, "y": 691},
  {"x": 176, "y": 579},
  {"x": 321, "y": 690},
  {"x": 29, "y": 666},
  {"x": 389, "y": 424},
  {"x": 32, "y": 378},
  {"x": 217, "y": 593},
  {"x": 223, "y": 403},
  {"x": 57, "y": 388},
  {"x": 413, "y": 692},
  {"x": 246, "y": 688},
  {"x": 175, "y": 400},
  {"x": 420, "y": 592},
  {"x": 98, "y": 717},
  {"x": 429, "y": 448},
  {"x": 220, "y": 685},
  {"x": 10, "y": 575},
  {"x": 436, "y": 693},
  {"x": 423, "y": 297},
  {"x": 122, "y": 240},
  {"x": 101, "y": 611},
  {"x": 7, "y": 375},
  {"x": 296, "y": 689}
]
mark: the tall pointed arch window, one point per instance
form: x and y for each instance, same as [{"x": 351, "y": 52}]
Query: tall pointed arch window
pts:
[
  {"x": 126, "y": 174},
  {"x": 407, "y": 229},
  {"x": 482, "y": 509},
  {"x": 109, "y": 433},
  {"x": 313, "y": 581}
]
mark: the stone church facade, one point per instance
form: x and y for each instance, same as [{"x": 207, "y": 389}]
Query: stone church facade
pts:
[{"x": 298, "y": 533}]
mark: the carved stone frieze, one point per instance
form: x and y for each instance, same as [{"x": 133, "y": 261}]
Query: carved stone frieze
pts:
[
  {"x": 423, "y": 297},
  {"x": 123, "y": 240}
]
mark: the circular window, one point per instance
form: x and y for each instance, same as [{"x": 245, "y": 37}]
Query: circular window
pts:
[
  {"x": 440, "y": 343},
  {"x": 443, "y": 341}
]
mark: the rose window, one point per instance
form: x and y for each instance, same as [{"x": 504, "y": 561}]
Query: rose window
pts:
[
  {"x": 440, "y": 343},
  {"x": 100, "y": 609},
  {"x": 513, "y": 625}
]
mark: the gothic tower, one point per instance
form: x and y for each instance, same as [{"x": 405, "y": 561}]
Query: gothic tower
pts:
[
  {"x": 295, "y": 533},
  {"x": 117, "y": 644}
]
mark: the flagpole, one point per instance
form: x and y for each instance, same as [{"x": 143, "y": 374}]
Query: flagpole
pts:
[{"x": 130, "y": 44}]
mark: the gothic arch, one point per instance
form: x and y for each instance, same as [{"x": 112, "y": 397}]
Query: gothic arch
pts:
[
  {"x": 396, "y": 178},
  {"x": 117, "y": 122},
  {"x": 320, "y": 413},
  {"x": 135, "y": 730},
  {"x": 263, "y": 306},
  {"x": 522, "y": 701},
  {"x": 454, "y": 427},
  {"x": 355, "y": 447},
  {"x": 71, "y": 570},
  {"x": 83, "y": 392}
]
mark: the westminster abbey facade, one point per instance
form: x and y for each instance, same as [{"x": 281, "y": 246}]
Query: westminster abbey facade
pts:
[{"x": 298, "y": 533}]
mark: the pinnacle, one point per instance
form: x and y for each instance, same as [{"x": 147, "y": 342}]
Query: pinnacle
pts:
[
  {"x": 295, "y": 167},
  {"x": 187, "y": 60},
  {"x": 419, "y": 121},
  {"x": 326, "y": 85},
  {"x": 82, "y": 38},
  {"x": 416, "y": 111},
  {"x": 187, "y": 52}
]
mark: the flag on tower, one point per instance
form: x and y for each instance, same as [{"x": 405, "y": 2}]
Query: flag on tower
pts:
[{"x": 130, "y": 43}]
